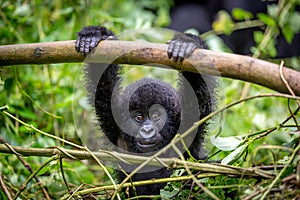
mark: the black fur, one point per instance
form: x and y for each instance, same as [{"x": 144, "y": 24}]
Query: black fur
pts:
[{"x": 107, "y": 98}]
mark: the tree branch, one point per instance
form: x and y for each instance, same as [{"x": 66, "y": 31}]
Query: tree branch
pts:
[
  {"x": 173, "y": 163},
  {"x": 127, "y": 52}
]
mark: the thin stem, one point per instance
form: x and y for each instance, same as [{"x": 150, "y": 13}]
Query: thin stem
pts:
[{"x": 24, "y": 185}]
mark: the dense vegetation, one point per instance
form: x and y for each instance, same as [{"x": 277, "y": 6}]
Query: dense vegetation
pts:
[{"x": 262, "y": 132}]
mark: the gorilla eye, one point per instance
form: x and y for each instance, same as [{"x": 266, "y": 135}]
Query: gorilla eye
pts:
[
  {"x": 156, "y": 116},
  {"x": 139, "y": 118}
]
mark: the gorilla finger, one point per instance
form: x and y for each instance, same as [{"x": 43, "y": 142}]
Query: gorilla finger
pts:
[
  {"x": 87, "y": 45},
  {"x": 182, "y": 51},
  {"x": 94, "y": 41},
  {"x": 77, "y": 43},
  {"x": 170, "y": 48},
  {"x": 189, "y": 50},
  {"x": 176, "y": 50},
  {"x": 82, "y": 45}
]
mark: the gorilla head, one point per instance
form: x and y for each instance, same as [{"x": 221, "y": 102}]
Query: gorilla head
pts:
[{"x": 149, "y": 114}]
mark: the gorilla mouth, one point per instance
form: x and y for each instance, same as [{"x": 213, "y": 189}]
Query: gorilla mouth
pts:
[{"x": 146, "y": 144}]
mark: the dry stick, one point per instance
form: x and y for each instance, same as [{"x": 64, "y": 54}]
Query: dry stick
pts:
[
  {"x": 104, "y": 169},
  {"x": 298, "y": 102},
  {"x": 292, "y": 157},
  {"x": 127, "y": 52},
  {"x": 31, "y": 127},
  {"x": 207, "y": 191},
  {"x": 4, "y": 188},
  {"x": 144, "y": 182},
  {"x": 173, "y": 162},
  {"x": 24, "y": 185},
  {"x": 235, "y": 170},
  {"x": 286, "y": 82},
  {"x": 234, "y": 66},
  {"x": 186, "y": 133},
  {"x": 27, "y": 166},
  {"x": 63, "y": 174},
  {"x": 76, "y": 190},
  {"x": 176, "y": 139},
  {"x": 55, "y": 137}
]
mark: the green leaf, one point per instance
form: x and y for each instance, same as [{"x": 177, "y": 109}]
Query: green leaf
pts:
[
  {"x": 271, "y": 49},
  {"x": 26, "y": 129},
  {"x": 168, "y": 195},
  {"x": 266, "y": 19},
  {"x": 288, "y": 34},
  {"x": 241, "y": 14},
  {"x": 272, "y": 10},
  {"x": 44, "y": 170},
  {"x": 294, "y": 21},
  {"x": 224, "y": 23},
  {"x": 235, "y": 155},
  {"x": 258, "y": 36},
  {"x": 226, "y": 143},
  {"x": 3, "y": 195},
  {"x": 22, "y": 10}
]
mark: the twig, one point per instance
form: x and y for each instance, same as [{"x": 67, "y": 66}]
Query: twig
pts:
[
  {"x": 104, "y": 169},
  {"x": 42, "y": 132},
  {"x": 3, "y": 186},
  {"x": 63, "y": 174},
  {"x": 77, "y": 189},
  {"x": 286, "y": 82},
  {"x": 24, "y": 185},
  {"x": 173, "y": 163},
  {"x": 292, "y": 92},
  {"x": 177, "y": 139},
  {"x": 293, "y": 116},
  {"x": 206, "y": 190},
  {"x": 145, "y": 182},
  {"x": 27, "y": 166},
  {"x": 295, "y": 152},
  {"x": 204, "y": 167}
]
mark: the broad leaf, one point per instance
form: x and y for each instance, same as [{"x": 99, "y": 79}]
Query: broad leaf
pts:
[
  {"x": 226, "y": 143},
  {"x": 233, "y": 156}
]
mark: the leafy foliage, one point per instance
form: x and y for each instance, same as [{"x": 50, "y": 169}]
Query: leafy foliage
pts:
[{"x": 249, "y": 134}]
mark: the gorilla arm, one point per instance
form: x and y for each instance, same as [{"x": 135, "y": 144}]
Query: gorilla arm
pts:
[
  {"x": 101, "y": 79},
  {"x": 203, "y": 86}
]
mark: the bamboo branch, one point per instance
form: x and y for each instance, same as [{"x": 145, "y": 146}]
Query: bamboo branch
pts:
[
  {"x": 127, "y": 52},
  {"x": 173, "y": 163}
]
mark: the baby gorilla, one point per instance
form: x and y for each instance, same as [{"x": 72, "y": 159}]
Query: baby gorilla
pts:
[
  {"x": 154, "y": 112},
  {"x": 147, "y": 115}
]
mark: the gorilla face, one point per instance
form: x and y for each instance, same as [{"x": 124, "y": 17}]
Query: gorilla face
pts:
[
  {"x": 149, "y": 123},
  {"x": 152, "y": 117}
]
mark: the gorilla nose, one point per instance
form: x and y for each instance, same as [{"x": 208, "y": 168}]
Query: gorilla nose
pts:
[{"x": 147, "y": 131}]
